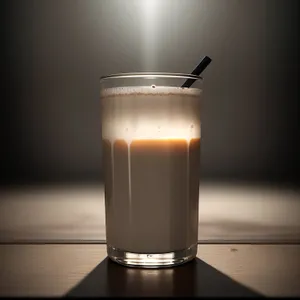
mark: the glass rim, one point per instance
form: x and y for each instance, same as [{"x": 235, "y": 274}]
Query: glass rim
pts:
[{"x": 151, "y": 75}]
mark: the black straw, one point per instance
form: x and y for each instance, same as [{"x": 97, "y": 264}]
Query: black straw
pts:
[{"x": 197, "y": 71}]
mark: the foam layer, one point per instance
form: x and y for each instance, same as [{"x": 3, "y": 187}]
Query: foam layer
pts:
[
  {"x": 150, "y": 90},
  {"x": 132, "y": 113}
]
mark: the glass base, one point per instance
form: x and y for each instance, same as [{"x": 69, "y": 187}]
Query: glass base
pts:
[{"x": 151, "y": 260}]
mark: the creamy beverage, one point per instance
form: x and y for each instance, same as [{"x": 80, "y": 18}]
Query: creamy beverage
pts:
[{"x": 151, "y": 154}]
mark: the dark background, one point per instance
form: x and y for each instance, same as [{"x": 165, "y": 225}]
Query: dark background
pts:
[{"x": 53, "y": 53}]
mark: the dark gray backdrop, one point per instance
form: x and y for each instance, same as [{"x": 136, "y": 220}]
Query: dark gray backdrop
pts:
[{"x": 53, "y": 53}]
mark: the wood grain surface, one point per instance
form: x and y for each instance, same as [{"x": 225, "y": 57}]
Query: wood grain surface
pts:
[{"x": 53, "y": 270}]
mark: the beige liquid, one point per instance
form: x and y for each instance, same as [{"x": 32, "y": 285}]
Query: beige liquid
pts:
[{"x": 151, "y": 184}]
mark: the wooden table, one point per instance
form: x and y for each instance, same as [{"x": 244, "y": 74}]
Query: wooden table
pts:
[
  {"x": 83, "y": 269},
  {"x": 38, "y": 225}
]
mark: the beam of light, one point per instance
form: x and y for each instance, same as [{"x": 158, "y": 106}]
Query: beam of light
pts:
[{"x": 149, "y": 10}]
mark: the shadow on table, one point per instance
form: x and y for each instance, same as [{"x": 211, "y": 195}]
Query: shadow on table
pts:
[{"x": 195, "y": 278}]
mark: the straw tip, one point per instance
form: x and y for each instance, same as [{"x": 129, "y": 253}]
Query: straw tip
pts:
[{"x": 198, "y": 70}]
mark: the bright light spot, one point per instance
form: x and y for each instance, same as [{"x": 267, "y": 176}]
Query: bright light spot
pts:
[{"x": 149, "y": 5}]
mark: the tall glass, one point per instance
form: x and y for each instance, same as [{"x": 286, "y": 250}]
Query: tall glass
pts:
[{"x": 151, "y": 154}]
